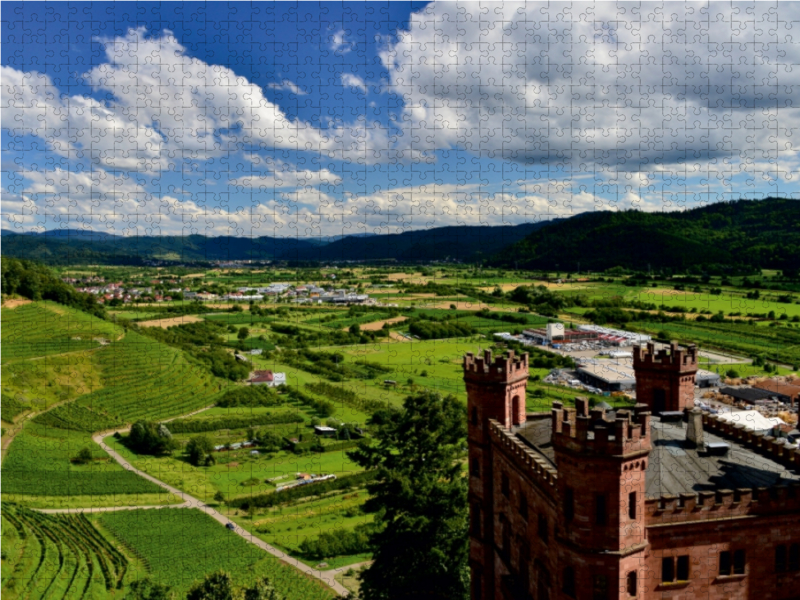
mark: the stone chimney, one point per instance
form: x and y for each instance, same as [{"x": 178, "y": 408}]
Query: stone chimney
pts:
[{"x": 694, "y": 429}]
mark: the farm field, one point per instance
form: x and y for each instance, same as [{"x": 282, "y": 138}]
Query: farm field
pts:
[
  {"x": 161, "y": 539},
  {"x": 60, "y": 556}
]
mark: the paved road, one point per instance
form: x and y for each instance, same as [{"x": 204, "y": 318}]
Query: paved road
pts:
[{"x": 326, "y": 577}]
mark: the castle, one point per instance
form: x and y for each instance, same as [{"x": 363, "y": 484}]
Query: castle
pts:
[{"x": 660, "y": 501}]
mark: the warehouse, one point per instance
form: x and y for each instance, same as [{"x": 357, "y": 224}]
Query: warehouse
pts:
[
  {"x": 610, "y": 377},
  {"x": 785, "y": 392}
]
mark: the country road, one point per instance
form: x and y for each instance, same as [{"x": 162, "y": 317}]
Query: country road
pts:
[{"x": 326, "y": 577}]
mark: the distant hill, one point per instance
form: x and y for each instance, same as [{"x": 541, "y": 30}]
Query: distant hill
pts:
[
  {"x": 463, "y": 243},
  {"x": 756, "y": 233}
]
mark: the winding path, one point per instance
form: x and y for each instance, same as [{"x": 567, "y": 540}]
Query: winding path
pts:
[{"x": 327, "y": 577}]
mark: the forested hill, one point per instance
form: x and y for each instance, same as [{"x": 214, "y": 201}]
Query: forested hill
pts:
[{"x": 740, "y": 234}]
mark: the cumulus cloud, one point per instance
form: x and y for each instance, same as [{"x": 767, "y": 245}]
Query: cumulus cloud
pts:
[
  {"x": 354, "y": 81},
  {"x": 602, "y": 85},
  {"x": 165, "y": 106},
  {"x": 339, "y": 43}
]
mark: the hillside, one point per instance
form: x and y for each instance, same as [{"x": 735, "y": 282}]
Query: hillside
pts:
[{"x": 740, "y": 234}]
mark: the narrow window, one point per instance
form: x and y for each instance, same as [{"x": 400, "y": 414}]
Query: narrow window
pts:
[
  {"x": 476, "y": 520},
  {"x": 523, "y": 506},
  {"x": 725, "y": 563},
  {"x": 683, "y": 568},
  {"x": 739, "y": 561},
  {"x": 475, "y": 469},
  {"x": 794, "y": 557},
  {"x": 667, "y": 570},
  {"x": 474, "y": 415},
  {"x": 568, "y": 583},
  {"x": 600, "y": 509},
  {"x": 477, "y": 584},
  {"x": 632, "y": 506},
  {"x": 631, "y": 583},
  {"x": 780, "y": 558},
  {"x": 504, "y": 485},
  {"x": 600, "y": 587},
  {"x": 543, "y": 528},
  {"x": 506, "y": 535},
  {"x": 569, "y": 505}
]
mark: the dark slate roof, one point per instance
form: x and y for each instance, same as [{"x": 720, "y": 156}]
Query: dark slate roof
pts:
[{"x": 747, "y": 394}]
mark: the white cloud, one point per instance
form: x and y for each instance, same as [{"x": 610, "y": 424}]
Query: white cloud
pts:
[
  {"x": 288, "y": 85},
  {"x": 339, "y": 43},
  {"x": 354, "y": 81},
  {"x": 602, "y": 85}
]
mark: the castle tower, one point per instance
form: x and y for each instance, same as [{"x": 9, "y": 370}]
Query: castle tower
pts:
[
  {"x": 665, "y": 379},
  {"x": 495, "y": 390},
  {"x": 601, "y": 492}
]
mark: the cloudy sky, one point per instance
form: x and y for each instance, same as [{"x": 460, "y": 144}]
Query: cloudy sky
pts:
[{"x": 319, "y": 119}]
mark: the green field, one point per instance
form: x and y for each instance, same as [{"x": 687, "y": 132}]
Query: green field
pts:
[
  {"x": 181, "y": 546},
  {"x": 46, "y": 328},
  {"x": 59, "y": 556}
]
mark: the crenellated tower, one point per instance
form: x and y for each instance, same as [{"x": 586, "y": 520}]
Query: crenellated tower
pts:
[
  {"x": 601, "y": 487},
  {"x": 495, "y": 390},
  {"x": 665, "y": 379}
]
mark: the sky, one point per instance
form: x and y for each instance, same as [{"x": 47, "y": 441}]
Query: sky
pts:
[{"x": 326, "y": 119}]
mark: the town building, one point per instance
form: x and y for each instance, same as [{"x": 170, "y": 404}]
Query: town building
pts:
[
  {"x": 780, "y": 390},
  {"x": 267, "y": 378},
  {"x": 596, "y": 504}
]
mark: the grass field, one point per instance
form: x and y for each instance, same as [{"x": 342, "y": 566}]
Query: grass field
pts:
[
  {"x": 59, "y": 556},
  {"x": 181, "y": 546}
]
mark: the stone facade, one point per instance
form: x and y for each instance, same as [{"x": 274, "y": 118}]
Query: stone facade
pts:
[
  {"x": 568, "y": 519},
  {"x": 665, "y": 379}
]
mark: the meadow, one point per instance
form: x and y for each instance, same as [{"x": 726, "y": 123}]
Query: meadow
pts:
[{"x": 180, "y": 546}]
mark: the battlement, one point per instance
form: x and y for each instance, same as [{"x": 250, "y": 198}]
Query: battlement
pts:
[
  {"x": 582, "y": 431},
  {"x": 501, "y": 369},
  {"x": 722, "y": 504},
  {"x": 527, "y": 459},
  {"x": 675, "y": 358}
]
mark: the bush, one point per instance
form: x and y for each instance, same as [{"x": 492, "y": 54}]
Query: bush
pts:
[
  {"x": 732, "y": 374},
  {"x": 148, "y": 437},
  {"x": 84, "y": 456}
]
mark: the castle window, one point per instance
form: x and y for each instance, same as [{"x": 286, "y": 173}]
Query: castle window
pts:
[
  {"x": 725, "y": 563},
  {"x": 632, "y": 505},
  {"x": 600, "y": 510},
  {"x": 568, "y": 582},
  {"x": 780, "y": 558},
  {"x": 600, "y": 587},
  {"x": 477, "y": 584},
  {"x": 668, "y": 570},
  {"x": 504, "y": 485},
  {"x": 543, "y": 528},
  {"x": 739, "y": 561},
  {"x": 506, "y": 535},
  {"x": 475, "y": 526},
  {"x": 683, "y": 568},
  {"x": 474, "y": 415},
  {"x": 569, "y": 504},
  {"x": 475, "y": 468},
  {"x": 631, "y": 583},
  {"x": 794, "y": 557},
  {"x": 523, "y": 506}
]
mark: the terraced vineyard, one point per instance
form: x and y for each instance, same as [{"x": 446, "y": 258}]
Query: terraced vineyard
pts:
[
  {"x": 58, "y": 556},
  {"x": 181, "y": 546},
  {"x": 46, "y": 328},
  {"x": 144, "y": 378}
]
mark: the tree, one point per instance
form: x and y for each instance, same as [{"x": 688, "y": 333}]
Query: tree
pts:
[
  {"x": 355, "y": 329},
  {"x": 199, "y": 449},
  {"x": 243, "y": 334},
  {"x": 148, "y": 437},
  {"x": 217, "y": 586},
  {"x": 419, "y": 499},
  {"x": 219, "y": 497},
  {"x": 732, "y": 374},
  {"x": 146, "y": 589},
  {"x": 84, "y": 456},
  {"x": 263, "y": 590}
]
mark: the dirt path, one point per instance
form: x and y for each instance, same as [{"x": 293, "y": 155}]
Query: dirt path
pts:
[
  {"x": 164, "y": 323},
  {"x": 326, "y": 577}
]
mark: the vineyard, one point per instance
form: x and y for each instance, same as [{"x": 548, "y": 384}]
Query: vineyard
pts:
[
  {"x": 39, "y": 463},
  {"x": 58, "y": 556},
  {"x": 160, "y": 538},
  {"x": 47, "y": 328},
  {"x": 146, "y": 379}
]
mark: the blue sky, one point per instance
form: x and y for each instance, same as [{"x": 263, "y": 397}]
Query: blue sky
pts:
[{"x": 318, "y": 119}]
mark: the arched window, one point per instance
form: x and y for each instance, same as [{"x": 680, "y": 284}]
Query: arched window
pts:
[
  {"x": 568, "y": 582},
  {"x": 515, "y": 410},
  {"x": 632, "y": 583}
]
